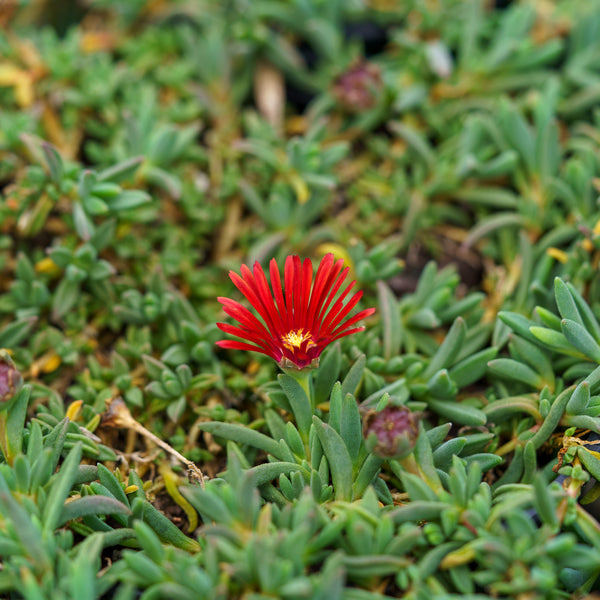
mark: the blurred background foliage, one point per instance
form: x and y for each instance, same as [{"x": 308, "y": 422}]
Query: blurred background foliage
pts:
[{"x": 447, "y": 150}]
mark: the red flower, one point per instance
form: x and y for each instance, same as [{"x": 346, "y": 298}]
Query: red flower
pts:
[{"x": 297, "y": 320}]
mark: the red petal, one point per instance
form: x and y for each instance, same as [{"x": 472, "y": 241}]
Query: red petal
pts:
[
  {"x": 326, "y": 273},
  {"x": 233, "y": 345},
  {"x": 278, "y": 293},
  {"x": 246, "y": 318},
  {"x": 244, "y": 333},
  {"x": 264, "y": 302},
  {"x": 267, "y": 298},
  {"x": 334, "y": 288},
  {"x": 363, "y": 314},
  {"x": 345, "y": 333},
  {"x": 297, "y": 284},
  {"x": 339, "y": 310},
  {"x": 247, "y": 286},
  {"x": 288, "y": 276},
  {"x": 306, "y": 284}
]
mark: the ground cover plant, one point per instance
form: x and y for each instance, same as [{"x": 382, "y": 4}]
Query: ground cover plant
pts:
[{"x": 299, "y": 299}]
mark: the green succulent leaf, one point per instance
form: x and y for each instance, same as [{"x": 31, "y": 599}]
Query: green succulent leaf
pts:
[{"x": 338, "y": 457}]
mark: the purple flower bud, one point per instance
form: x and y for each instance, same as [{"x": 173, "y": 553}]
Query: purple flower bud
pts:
[
  {"x": 359, "y": 88},
  {"x": 10, "y": 379},
  {"x": 391, "y": 432}
]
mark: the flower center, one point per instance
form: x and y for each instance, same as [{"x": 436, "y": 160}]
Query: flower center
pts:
[{"x": 295, "y": 338}]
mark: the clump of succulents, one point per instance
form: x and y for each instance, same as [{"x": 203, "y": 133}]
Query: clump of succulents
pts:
[{"x": 410, "y": 406}]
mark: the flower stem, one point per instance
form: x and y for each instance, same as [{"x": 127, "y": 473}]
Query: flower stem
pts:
[
  {"x": 302, "y": 404},
  {"x": 303, "y": 378}
]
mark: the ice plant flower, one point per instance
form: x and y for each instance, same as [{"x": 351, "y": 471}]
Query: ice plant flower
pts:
[{"x": 298, "y": 317}]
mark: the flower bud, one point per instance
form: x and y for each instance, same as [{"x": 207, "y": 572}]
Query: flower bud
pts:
[
  {"x": 391, "y": 432},
  {"x": 10, "y": 378},
  {"x": 359, "y": 88}
]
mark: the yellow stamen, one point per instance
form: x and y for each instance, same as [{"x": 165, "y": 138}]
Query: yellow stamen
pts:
[{"x": 295, "y": 338}]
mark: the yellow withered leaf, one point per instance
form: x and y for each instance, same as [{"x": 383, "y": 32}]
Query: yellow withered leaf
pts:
[{"x": 22, "y": 82}]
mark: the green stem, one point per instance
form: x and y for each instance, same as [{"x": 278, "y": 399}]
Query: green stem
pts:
[
  {"x": 410, "y": 464},
  {"x": 303, "y": 404},
  {"x": 3, "y": 440},
  {"x": 303, "y": 378}
]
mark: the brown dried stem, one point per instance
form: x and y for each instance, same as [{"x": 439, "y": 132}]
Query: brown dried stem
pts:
[{"x": 118, "y": 415}]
